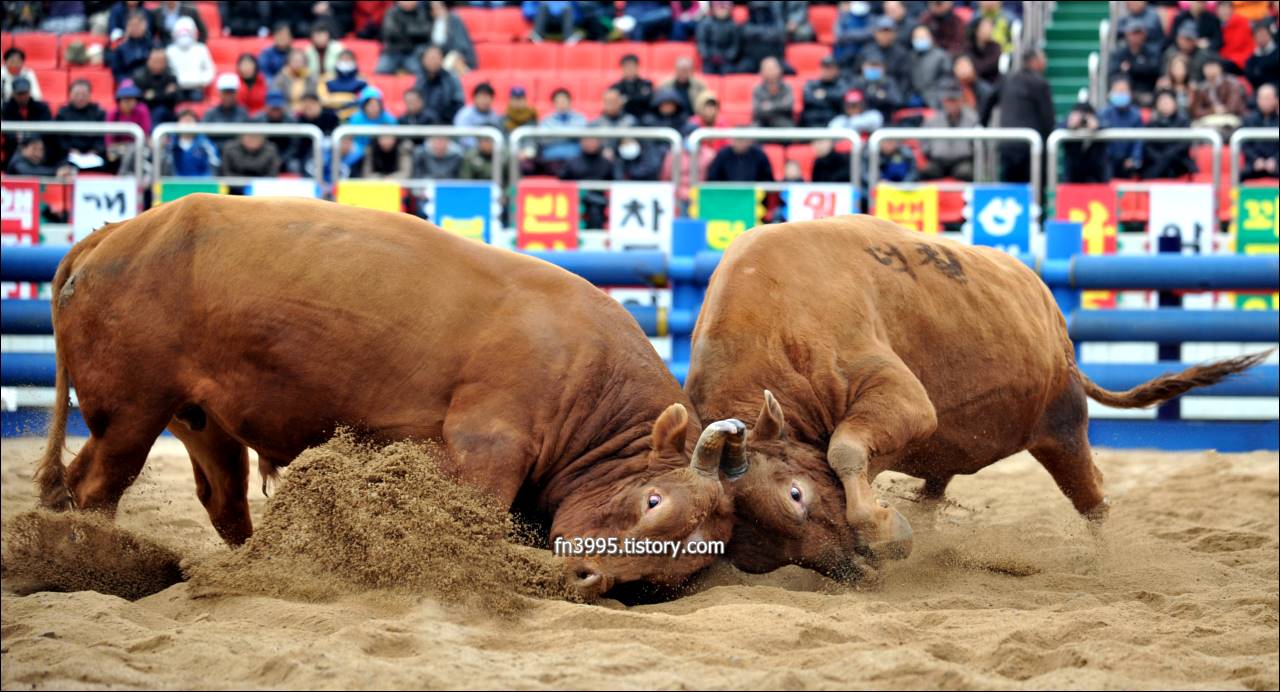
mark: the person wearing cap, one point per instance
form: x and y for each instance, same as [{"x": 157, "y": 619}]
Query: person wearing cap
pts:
[
  {"x": 276, "y": 112},
  {"x": 22, "y": 104},
  {"x": 228, "y": 108},
  {"x": 1218, "y": 101},
  {"x": 29, "y": 157},
  {"x": 159, "y": 86},
  {"x": 687, "y": 85},
  {"x": 1208, "y": 26},
  {"x": 636, "y": 91},
  {"x": 772, "y": 101},
  {"x": 707, "y": 115},
  {"x": 823, "y": 96},
  {"x": 1137, "y": 60},
  {"x": 372, "y": 111},
  {"x": 666, "y": 111},
  {"x": 131, "y": 53},
  {"x": 479, "y": 113},
  {"x": 15, "y": 66},
  {"x": 888, "y": 46},
  {"x": 719, "y": 39},
  {"x": 1186, "y": 42},
  {"x": 129, "y": 108},
  {"x": 856, "y": 116},
  {"x": 949, "y": 158},
  {"x": 190, "y": 61},
  {"x": 1142, "y": 12},
  {"x": 854, "y": 29},
  {"x": 441, "y": 91},
  {"x": 880, "y": 92},
  {"x": 519, "y": 110}
]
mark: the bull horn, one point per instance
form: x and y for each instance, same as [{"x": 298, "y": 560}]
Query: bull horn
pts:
[
  {"x": 706, "y": 454},
  {"x": 733, "y": 460}
]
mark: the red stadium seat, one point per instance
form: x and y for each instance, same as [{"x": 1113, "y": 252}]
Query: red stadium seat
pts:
[
  {"x": 950, "y": 206},
  {"x": 593, "y": 85},
  {"x": 740, "y": 14},
  {"x": 549, "y": 82},
  {"x": 101, "y": 84},
  {"x": 478, "y": 21},
  {"x": 53, "y": 87},
  {"x": 806, "y": 57},
  {"x": 392, "y": 88},
  {"x": 736, "y": 90},
  {"x": 56, "y": 196},
  {"x": 803, "y": 155},
  {"x": 613, "y": 53},
  {"x": 225, "y": 50},
  {"x": 823, "y": 19},
  {"x": 41, "y": 49},
  {"x": 366, "y": 52},
  {"x": 208, "y": 12},
  {"x": 583, "y": 57},
  {"x": 536, "y": 56},
  {"x": 663, "y": 57},
  {"x": 493, "y": 56},
  {"x": 508, "y": 23},
  {"x": 6, "y": 40},
  {"x": 777, "y": 158},
  {"x": 734, "y": 116}
]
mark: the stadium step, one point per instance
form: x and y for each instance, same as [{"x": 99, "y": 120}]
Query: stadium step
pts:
[{"x": 1071, "y": 36}]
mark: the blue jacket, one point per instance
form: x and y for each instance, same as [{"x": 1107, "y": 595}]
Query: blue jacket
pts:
[
  {"x": 1111, "y": 117},
  {"x": 359, "y": 144},
  {"x": 199, "y": 159},
  {"x": 271, "y": 61}
]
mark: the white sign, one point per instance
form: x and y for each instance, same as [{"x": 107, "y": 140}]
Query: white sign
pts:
[
  {"x": 807, "y": 201},
  {"x": 1184, "y": 211},
  {"x": 100, "y": 200},
  {"x": 640, "y": 216},
  {"x": 283, "y": 187}
]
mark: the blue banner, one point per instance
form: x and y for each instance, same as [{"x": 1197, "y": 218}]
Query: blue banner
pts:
[
  {"x": 462, "y": 208},
  {"x": 999, "y": 216}
]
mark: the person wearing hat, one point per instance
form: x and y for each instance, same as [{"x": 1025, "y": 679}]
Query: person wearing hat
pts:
[
  {"x": 129, "y": 108},
  {"x": 1124, "y": 159},
  {"x": 949, "y": 158},
  {"x": 1137, "y": 60},
  {"x": 823, "y": 96},
  {"x": 1218, "y": 100},
  {"x": 890, "y": 48},
  {"x": 856, "y": 115},
  {"x": 276, "y": 112},
  {"x": 1186, "y": 42},
  {"x": 190, "y": 61},
  {"x": 1207, "y": 25},
  {"x": 519, "y": 110},
  {"x": 158, "y": 85},
  {"x": 28, "y": 159},
  {"x": 880, "y": 92},
  {"x": 342, "y": 91},
  {"x": 1142, "y": 12},
  {"x": 666, "y": 111},
  {"x": 707, "y": 115},
  {"x": 21, "y": 106},
  {"x": 719, "y": 39}
]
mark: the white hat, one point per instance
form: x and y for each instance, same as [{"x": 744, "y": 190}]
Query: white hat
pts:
[{"x": 228, "y": 82}]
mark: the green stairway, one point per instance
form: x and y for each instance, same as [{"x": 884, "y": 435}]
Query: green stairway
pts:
[{"x": 1071, "y": 36}]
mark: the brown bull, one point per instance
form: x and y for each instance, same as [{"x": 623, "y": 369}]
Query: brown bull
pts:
[
  {"x": 887, "y": 350},
  {"x": 265, "y": 323}
]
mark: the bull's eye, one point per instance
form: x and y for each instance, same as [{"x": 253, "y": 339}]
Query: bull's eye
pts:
[
  {"x": 654, "y": 500},
  {"x": 796, "y": 494}
]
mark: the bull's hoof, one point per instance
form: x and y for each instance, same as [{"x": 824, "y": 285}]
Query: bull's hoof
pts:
[
  {"x": 898, "y": 539},
  {"x": 57, "y": 499}
]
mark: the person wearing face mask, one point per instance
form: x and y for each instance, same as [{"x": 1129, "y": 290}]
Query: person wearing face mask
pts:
[
  {"x": 930, "y": 67},
  {"x": 636, "y": 161},
  {"x": 853, "y": 31},
  {"x": 342, "y": 91},
  {"x": 880, "y": 94},
  {"x": 897, "y": 55},
  {"x": 1124, "y": 159},
  {"x": 190, "y": 61}
]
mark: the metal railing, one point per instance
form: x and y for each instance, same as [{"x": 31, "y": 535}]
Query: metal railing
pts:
[
  {"x": 449, "y": 131},
  {"x": 1238, "y": 138},
  {"x": 81, "y": 128},
  {"x": 1106, "y": 44},
  {"x": 534, "y": 132},
  {"x": 234, "y": 129},
  {"x": 1035, "y": 19},
  {"x": 769, "y": 134},
  {"x": 1129, "y": 134},
  {"x": 975, "y": 134},
  {"x": 1095, "y": 81}
]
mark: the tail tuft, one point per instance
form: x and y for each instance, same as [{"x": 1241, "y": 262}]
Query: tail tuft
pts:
[
  {"x": 1166, "y": 387},
  {"x": 50, "y": 477}
]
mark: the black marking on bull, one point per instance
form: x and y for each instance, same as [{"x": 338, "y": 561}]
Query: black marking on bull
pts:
[
  {"x": 887, "y": 255},
  {"x": 946, "y": 262},
  {"x": 193, "y": 416}
]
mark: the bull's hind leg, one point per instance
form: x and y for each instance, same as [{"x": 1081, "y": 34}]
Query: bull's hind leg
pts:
[
  {"x": 1062, "y": 447},
  {"x": 221, "y": 467},
  {"x": 113, "y": 457}
]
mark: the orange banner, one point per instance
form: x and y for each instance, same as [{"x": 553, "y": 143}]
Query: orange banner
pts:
[{"x": 547, "y": 216}]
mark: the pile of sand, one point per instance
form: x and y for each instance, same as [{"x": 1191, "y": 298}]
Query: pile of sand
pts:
[{"x": 352, "y": 516}]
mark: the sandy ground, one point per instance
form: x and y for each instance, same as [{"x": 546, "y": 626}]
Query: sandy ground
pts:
[{"x": 1007, "y": 588}]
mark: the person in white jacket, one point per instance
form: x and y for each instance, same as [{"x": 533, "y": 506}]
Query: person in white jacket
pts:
[{"x": 190, "y": 61}]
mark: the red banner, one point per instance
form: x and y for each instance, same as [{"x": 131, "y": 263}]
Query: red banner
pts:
[
  {"x": 1093, "y": 205},
  {"x": 20, "y": 212},
  {"x": 547, "y": 216}
]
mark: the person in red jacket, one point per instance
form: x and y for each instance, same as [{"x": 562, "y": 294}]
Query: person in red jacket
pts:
[
  {"x": 1237, "y": 37},
  {"x": 368, "y": 15}
]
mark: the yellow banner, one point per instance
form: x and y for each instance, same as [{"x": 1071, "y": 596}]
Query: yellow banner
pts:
[
  {"x": 910, "y": 207},
  {"x": 370, "y": 194}
]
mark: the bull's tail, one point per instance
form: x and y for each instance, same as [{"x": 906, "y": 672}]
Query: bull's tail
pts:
[
  {"x": 50, "y": 477},
  {"x": 1166, "y": 387}
]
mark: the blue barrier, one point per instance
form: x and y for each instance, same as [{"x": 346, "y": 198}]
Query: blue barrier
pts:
[{"x": 1173, "y": 326}]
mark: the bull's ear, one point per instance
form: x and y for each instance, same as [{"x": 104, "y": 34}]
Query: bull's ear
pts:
[
  {"x": 770, "y": 422},
  {"x": 669, "y": 430}
]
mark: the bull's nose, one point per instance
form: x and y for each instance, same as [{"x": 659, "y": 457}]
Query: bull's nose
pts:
[{"x": 589, "y": 582}]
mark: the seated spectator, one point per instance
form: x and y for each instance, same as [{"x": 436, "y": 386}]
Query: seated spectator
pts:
[
  {"x": 684, "y": 19},
  {"x": 1208, "y": 27},
  {"x": 897, "y": 163},
  {"x": 1237, "y": 37},
  {"x": 129, "y": 109},
  {"x": 273, "y": 59},
  {"x": 648, "y": 21},
  {"x": 301, "y": 16},
  {"x": 708, "y": 112},
  {"x": 479, "y": 114},
  {"x": 1177, "y": 78},
  {"x": 949, "y": 158},
  {"x": 719, "y": 40},
  {"x": 120, "y": 13},
  {"x": 880, "y": 93},
  {"x": 1186, "y": 43},
  {"x": 252, "y": 93},
  {"x": 903, "y": 22},
  {"x": 277, "y": 112},
  {"x": 132, "y": 52},
  {"x": 687, "y": 85},
  {"x": 341, "y": 93},
  {"x": 764, "y": 35},
  {"x": 295, "y": 79},
  {"x": 250, "y": 156},
  {"x": 245, "y": 17},
  {"x": 772, "y": 100},
  {"x": 441, "y": 91},
  {"x": 612, "y": 113},
  {"x": 405, "y": 29},
  {"x": 167, "y": 16},
  {"x": 22, "y": 107},
  {"x": 324, "y": 51},
  {"x": 28, "y": 160},
  {"x": 190, "y": 61},
  {"x": 896, "y": 55},
  {"x": 592, "y": 163},
  {"x": 799, "y": 30},
  {"x": 823, "y": 96},
  {"x": 519, "y": 110},
  {"x": 449, "y": 33},
  {"x": 312, "y": 112},
  {"x": 190, "y": 155},
  {"x": 1142, "y": 12},
  {"x": 438, "y": 159},
  {"x": 856, "y": 117},
  {"x": 743, "y": 161},
  {"x": 1260, "y": 157},
  {"x": 975, "y": 92},
  {"x": 666, "y": 113},
  {"x": 1263, "y": 66},
  {"x": 81, "y": 108},
  {"x": 1138, "y": 61},
  {"x": 388, "y": 158},
  {"x": 1167, "y": 159},
  {"x": 1084, "y": 161},
  {"x": 931, "y": 66},
  {"x": 416, "y": 113},
  {"x": 371, "y": 111},
  {"x": 15, "y": 66},
  {"x": 854, "y": 28},
  {"x": 637, "y": 161},
  {"x": 562, "y": 117},
  {"x": 946, "y": 29},
  {"x": 829, "y": 165},
  {"x": 1001, "y": 23},
  {"x": 159, "y": 86},
  {"x": 985, "y": 51},
  {"x": 552, "y": 20},
  {"x": 1218, "y": 100},
  {"x": 1124, "y": 159},
  {"x": 367, "y": 17},
  {"x": 477, "y": 163},
  {"x": 636, "y": 90},
  {"x": 228, "y": 108}
]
